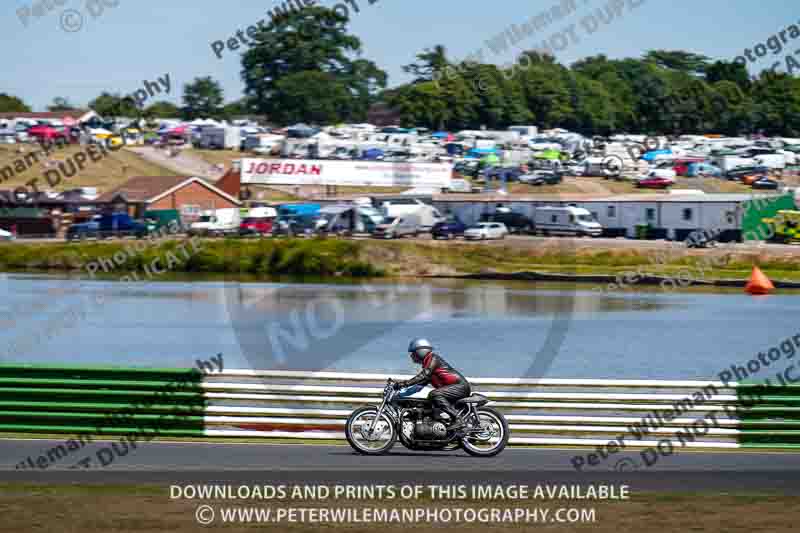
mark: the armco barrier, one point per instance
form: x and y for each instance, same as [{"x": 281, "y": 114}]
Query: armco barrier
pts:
[{"x": 38, "y": 399}]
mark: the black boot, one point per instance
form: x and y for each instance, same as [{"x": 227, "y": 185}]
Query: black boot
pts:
[{"x": 455, "y": 420}]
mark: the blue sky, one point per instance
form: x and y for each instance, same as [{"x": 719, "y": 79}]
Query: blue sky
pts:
[{"x": 144, "y": 39}]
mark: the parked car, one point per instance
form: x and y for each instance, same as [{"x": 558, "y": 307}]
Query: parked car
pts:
[
  {"x": 766, "y": 184},
  {"x": 450, "y": 228},
  {"x": 486, "y": 230},
  {"x": 740, "y": 172},
  {"x": 295, "y": 225},
  {"x": 513, "y": 222},
  {"x": 108, "y": 226},
  {"x": 566, "y": 221},
  {"x": 255, "y": 226},
  {"x": 654, "y": 182},
  {"x": 258, "y": 222},
  {"x": 45, "y": 132},
  {"x": 541, "y": 177},
  {"x": 400, "y": 226}
]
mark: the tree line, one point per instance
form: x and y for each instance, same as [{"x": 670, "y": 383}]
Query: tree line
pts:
[{"x": 307, "y": 67}]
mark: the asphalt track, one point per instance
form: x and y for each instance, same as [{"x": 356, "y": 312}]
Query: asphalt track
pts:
[{"x": 170, "y": 462}]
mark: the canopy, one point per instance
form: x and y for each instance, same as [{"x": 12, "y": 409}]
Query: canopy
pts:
[
  {"x": 490, "y": 159},
  {"x": 441, "y": 135},
  {"x": 549, "y": 154}
]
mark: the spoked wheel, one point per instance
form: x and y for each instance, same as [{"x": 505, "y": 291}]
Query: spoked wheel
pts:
[
  {"x": 490, "y": 437},
  {"x": 376, "y": 442}
]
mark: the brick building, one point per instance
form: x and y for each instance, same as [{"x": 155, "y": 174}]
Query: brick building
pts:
[{"x": 189, "y": 195}]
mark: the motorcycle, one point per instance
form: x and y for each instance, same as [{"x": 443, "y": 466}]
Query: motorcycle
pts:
[{"x": 373, "y": 430}]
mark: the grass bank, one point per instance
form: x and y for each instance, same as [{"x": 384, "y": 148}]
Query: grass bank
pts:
[
  {"x": 371, "y": 258},
  {"x": 272, "y": 257},
  {"x": 109, "y": 172}
]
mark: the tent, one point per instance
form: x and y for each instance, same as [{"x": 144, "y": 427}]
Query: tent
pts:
[
  {"x": 490, "y": 159},
  {"x": 441, "y": 135},
  {"x": 653, "y": 154},
  {"x": 480, "y": 152},
  {"x": 550, "y": 154}
]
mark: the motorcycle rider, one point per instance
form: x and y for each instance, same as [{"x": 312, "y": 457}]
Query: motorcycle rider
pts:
[{"x": 449, "y": 384}]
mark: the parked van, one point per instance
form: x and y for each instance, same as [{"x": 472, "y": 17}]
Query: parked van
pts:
[
  {"x": 217, "y": 222},
  {"x": 565, "y": 221},
  {"x": 426, "y": 214},
  {"x": 258, "y": 221},
  {"x": 394, "y": 227}
]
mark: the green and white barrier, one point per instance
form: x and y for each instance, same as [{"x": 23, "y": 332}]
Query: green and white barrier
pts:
[{"x": 295, "y": 405}]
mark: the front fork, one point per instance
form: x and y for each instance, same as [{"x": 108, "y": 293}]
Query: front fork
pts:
[{"x": 371, "y": 427}]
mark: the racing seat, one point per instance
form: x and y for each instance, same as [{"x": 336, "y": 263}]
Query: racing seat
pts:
[{"x": 475, "y": 398}]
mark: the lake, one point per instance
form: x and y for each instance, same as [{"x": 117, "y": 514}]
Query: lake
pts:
[{"x": 490, "y": 329}]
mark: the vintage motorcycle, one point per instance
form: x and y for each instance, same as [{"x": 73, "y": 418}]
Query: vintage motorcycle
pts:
[{"x": 373, "y": 430}]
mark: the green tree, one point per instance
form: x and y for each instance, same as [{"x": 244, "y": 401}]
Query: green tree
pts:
[
  {"x": 777, "y": 108},
  {"x": 678, "y": 60},
  {"x": 60, "y": 104},
  {"x": 11, "y": 104},
  {"x": 312, "y": 44},
  {"x": 728, "y": 71},
  {"x": 203, "y": 98},
  {"x": 162, "y": 109},
  {"x": 114, "y": 105},
  {"x": 430, "y": 62}
]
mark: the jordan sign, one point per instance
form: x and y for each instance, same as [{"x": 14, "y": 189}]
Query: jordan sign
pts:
[{"x": 355, "y": 173}]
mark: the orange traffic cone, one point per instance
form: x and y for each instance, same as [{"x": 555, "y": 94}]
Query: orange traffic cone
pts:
[{"x": 759, "y": 283}]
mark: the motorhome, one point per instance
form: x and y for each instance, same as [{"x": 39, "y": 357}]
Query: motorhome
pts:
[{"x": 566, "y": 221}]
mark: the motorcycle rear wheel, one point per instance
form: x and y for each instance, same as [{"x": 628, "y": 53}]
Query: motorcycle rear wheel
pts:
[
  {"x": 355, "y": 436},
  {"x": 494, "y": 437}
]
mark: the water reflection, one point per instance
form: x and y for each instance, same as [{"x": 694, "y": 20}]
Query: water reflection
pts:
[{"x": 487, "y": 328}]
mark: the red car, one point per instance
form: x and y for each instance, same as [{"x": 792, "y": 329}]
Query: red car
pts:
[
  {"x": 256, "y": 226},
  {"x": 654, "y": 183},
  {"x": 46, "y": 132}
]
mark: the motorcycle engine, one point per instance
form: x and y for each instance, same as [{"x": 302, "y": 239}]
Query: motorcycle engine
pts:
[{"x": 429, "y": 429}]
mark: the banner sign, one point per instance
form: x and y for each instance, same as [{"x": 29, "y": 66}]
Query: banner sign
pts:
[{"x": 354, "y": 173}]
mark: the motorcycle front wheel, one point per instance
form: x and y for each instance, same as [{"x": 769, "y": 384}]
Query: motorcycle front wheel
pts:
[
  {"x": 490, "y": 437},
  {"x": 379, "y": 441}
]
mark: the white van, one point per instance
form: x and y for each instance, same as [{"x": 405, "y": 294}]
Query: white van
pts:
[
  {"x": 427, "y": 215},
  {"x": 217, "y": 222},
  {"x": 565, "y": 221},
  {"x": 394, "y": 227}
]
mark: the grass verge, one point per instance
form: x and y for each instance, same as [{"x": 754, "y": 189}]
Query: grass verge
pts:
[
  {"x": 126, "y": 508},
  {"x": 372, "y": 258}
]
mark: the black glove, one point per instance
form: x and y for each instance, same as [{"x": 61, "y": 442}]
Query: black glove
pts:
[{"x": 397, "y": 385}]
